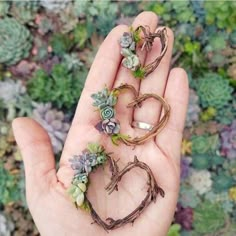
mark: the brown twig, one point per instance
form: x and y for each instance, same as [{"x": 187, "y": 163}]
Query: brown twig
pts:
[
  {"x": 148, "y": 43},
  {"x": 151, "y": 196},
  {"x": 138, "y": 100}
]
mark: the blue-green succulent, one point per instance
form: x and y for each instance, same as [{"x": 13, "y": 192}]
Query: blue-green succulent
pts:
[{"x": 213, "y": 91}]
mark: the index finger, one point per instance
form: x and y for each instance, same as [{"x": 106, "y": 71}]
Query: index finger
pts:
[{"x": 102, "y": 73}]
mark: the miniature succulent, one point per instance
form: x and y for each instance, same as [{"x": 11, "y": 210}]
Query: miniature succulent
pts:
[
  {"x": 184, "y": 217},
  {"x": 208, "y": 218},
  {"x": 55, "y": 6},
  {"x": 6, "y": 226},
  {"x": 10, "y": 90},
  {"x": 127, "y": 41},
  {"x": 188, "y": 196},
  {"x": 104, "y": 99},
  {"x": 84, "y": 163},
  {"x": 205, "y": 161},
  {"x": 9, "y": 188},
  {"x": 130, "y": 60},
  {"x": 222, "y": 182},
  {"x": 111, "y": 126},
  {"x": 14, "y": 97},
  {"x": 226, "y": 114},
  {"x": 72, "y": 62},
  {"x": 205, "y": 144},
  {"x": 107, "y": 113},
  {"x": 193, "y": 109},
  {"x": 15, "y": 41},
  {"x": 229, "y": 167},
  {"x": 213, "y": 91},
  {"x": 54, "y": 122},
  {"x": 24, "y": 11},
  {"x": 201, "y": 162},
  {"x": 228, "y": 141},
  {"x": 201, "y": 181}
]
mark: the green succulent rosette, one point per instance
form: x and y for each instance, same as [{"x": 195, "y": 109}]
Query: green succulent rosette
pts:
[
  {"x": 214, "y": 91},
  {"x": 208, "y": 218},
  {"x": 15, "y": 41}
]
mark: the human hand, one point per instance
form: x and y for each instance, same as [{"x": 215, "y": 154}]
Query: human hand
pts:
[{"x": 49, "y": 204}]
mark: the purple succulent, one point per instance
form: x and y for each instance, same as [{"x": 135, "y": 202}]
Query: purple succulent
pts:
[
  {"x": 193, "y": 109},
  {"x": 228, "y": 141},
  {"x": 184, "y": 166},
  {"x": 109, "y": 126},
  {"x": 184, "y": 217},
  {"x": 83, "y": 163}
]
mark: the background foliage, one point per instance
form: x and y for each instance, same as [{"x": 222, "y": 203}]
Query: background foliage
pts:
[{"x": 46, "y": 50}]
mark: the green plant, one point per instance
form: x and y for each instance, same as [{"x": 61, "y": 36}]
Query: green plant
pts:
[
  {"x": 174, "y": 230},
  {"x": 208, "y": 218},
  {"x": 15, "y": 41},
  {"x": 100, "y": 15},
  {"x": 205, "y": 144},
  {"x": 188, "y": 196},
  {"x": 226, "y": 114},
  {"x": 222, "y": 13},
  {"x": 222, "y": 182},
  {"x": 201, "y": 161},
  {"x": 61, "y": 87},
  {"x": 80, "y": 34},
  {"x": 213, "y": 90},
  {"x": 61, "y": 43},
  {"x": 173, "y": 12},
  {"x": 9, "y": 189},
  {"x": 208, "y": 114},
  {"x": 24, "y": 11}
]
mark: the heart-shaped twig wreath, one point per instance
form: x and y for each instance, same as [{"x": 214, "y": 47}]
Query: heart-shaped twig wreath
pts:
[
  {"x": 142, "y": 37},
  {"x": 88, "y": 161},
  {"x": 106, "y": 100}
]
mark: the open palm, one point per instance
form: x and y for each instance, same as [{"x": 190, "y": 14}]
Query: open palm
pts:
[{"x": 52, "y": 211}]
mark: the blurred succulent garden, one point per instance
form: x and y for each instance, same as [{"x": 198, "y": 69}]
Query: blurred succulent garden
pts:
[{"x": 46, "y": 50}]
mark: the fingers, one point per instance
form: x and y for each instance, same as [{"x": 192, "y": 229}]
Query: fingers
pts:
[
  {"x": 155, "y": 82},
  {"x": 125, "y": 76},
  {"x": 102, "y": 73},
  {"x": 37, "y": 153},
  {"x": 176, "y": 94}
]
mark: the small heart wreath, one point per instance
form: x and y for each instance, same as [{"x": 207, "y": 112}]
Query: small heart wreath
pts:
[
  {"x": 129, "y": 42},
  {"x": 93, "y": 157},
  {"x": 106, "y": 100}
]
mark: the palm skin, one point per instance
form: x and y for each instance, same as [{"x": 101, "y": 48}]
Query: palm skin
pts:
[{"x": 49, "y": 204}]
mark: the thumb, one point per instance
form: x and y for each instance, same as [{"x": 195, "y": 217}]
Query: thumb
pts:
[{"x": 36, "y": 149}]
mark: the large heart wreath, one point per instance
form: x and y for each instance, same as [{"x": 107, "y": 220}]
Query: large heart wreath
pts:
[{"x": 93, "y": 157}]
